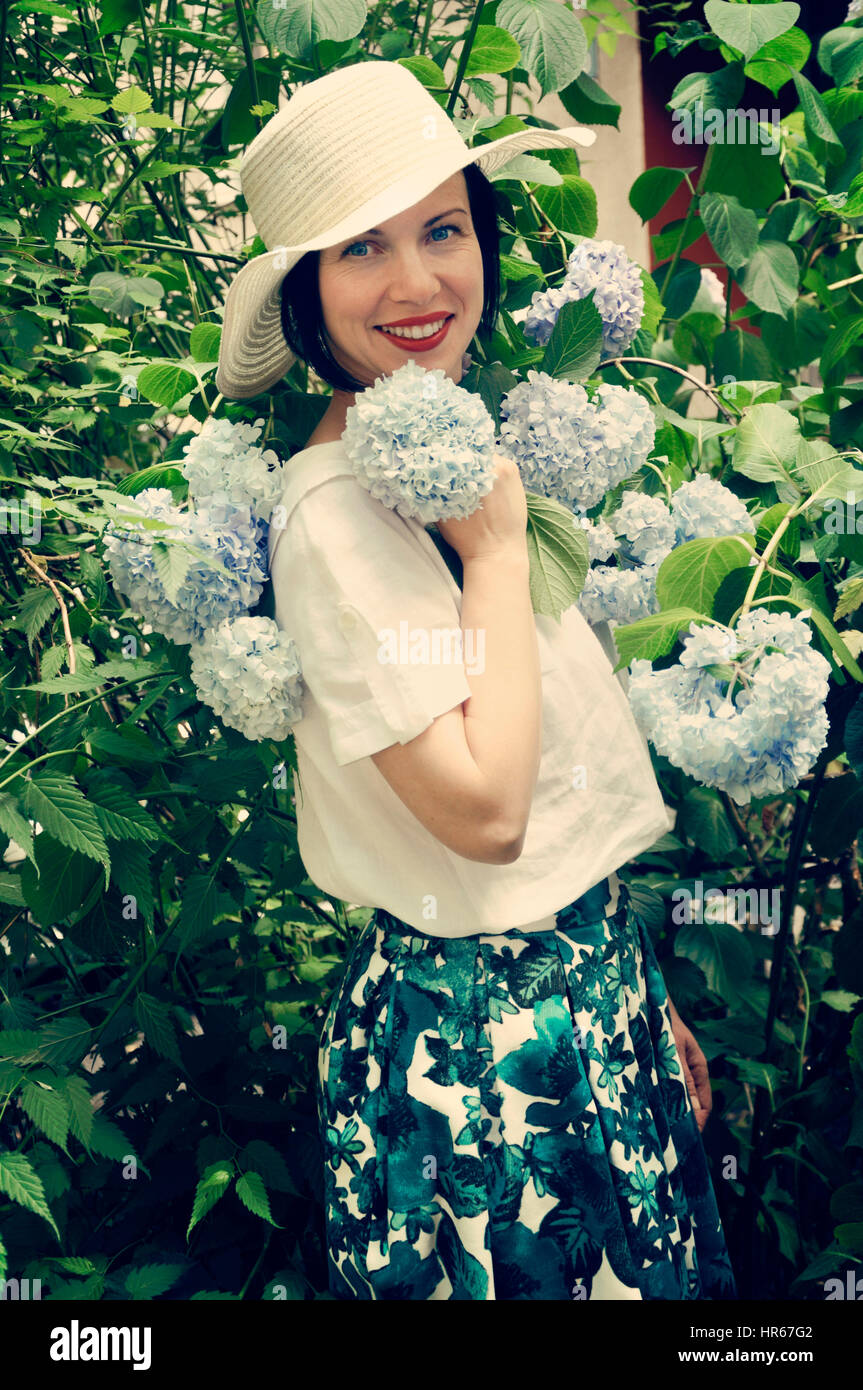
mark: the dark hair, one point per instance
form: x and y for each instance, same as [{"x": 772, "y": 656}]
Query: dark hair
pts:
[{"x": 302, "y": 315}]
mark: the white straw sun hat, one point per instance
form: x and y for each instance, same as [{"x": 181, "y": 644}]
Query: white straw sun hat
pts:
[{"x": 348, "y": 151}]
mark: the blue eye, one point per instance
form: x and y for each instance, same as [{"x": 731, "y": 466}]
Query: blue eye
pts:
[{"x": 445, "y": 227}]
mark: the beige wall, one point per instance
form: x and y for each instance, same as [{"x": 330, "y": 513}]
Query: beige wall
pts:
[{"x": 614, "y": 162}]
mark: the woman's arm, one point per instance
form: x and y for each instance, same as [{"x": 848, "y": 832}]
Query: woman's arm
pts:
[
  {"x": 503, "y": 717},
  {"x": 470, "y": 777}
]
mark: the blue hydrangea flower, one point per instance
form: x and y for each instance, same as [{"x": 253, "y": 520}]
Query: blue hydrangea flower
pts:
[
  {"x": 647, "y": 524},
  {"x": 615, "y": 593},
  {"x": 224, "y": 464},
  {"x": 601, "y": 540},
  {"x": 570, "y": 447},
  {"x": 603, "y": 268},
  {"x": 223, "y": 582},
  {"x": 421, "y": 444},
  {"x": 704, "y": 507},
  {"x": 756, "y": 737},
  {"x": 248, "y": 672}
]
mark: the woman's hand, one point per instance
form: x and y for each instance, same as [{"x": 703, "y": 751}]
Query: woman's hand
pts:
[
  {"x": 694, "y": 1064},
  {"x": 499, "y": 523}
]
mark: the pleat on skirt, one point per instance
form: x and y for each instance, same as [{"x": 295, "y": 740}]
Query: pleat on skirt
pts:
[{"x": 506, "y": 1117}]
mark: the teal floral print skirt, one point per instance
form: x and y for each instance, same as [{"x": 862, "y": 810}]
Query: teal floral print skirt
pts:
[{"x": 506, "y": 1117}]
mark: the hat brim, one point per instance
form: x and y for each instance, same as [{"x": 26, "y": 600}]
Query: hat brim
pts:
[{"x": 253, "y": 353}]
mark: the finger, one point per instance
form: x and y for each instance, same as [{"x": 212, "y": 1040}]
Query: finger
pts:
[
  {"x": 698, "y": 1065},
  {"x": 692, "y": 1089}
]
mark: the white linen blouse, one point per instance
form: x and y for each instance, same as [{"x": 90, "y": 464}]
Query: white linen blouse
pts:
[{"x": 375, "y": 614}]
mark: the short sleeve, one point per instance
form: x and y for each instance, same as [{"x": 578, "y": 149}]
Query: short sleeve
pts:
[{"x": 374, "y": 619}]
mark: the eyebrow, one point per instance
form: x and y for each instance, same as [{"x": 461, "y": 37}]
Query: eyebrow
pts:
[{"x": 376, "y": 231}]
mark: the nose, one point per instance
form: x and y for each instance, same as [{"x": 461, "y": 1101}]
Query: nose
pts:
[{"x": 414, "y": 280}]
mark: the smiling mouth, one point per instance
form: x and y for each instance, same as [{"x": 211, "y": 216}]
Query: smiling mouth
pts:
[{"x": 416, "y": 333}]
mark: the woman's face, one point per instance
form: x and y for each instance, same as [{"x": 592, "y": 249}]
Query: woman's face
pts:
[{"x": 405, "y": 269}]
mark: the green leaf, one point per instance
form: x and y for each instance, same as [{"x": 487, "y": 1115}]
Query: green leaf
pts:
[
  {"x": 117, "y": 15},
  {"x": 815, "y": 112},
  {"x": 757, "y": 1073},
  {"x": 120, "y": 815},
  {"x": 80, "y": 1107},
  {"x": 797, "y": 340},
  {"x": 514, "y": 268},
  {"x": 652, "y": 190},
  {"x": 693, "y": 571},
  {"x": 770, "y": 68},
  {"x": 703, "y": 91},
  {"x": 818, "y": 468},
  {"x": 732, "y": 228},
  {"x": 204, "y": 342},
  {"x": 64, "y": 813},
  {"x": 740, "y": 356},
  {"x": 151, "y": 1280},
  {"x": 574, "y": 349},
  {"x": 789, "y": 220},
  {"x": 747, "y": 28},
  {"x": 768, "y": 523},
  {"x": 492, "y": 50},
  {"x": 44, "y": 7},
  {"x": 15, "y": 826},
  {"x": 837, "y": 816},
  {"x": 570, "y": 205},
  {"x": 156, "y": 1021},
  {"x": 426, "y": 72},
  {"x": 552, "y": 41},
  {"x": 266, "y": 1160},
  {"x": 558, "y": 554},
  {"x": 839, "y": 343},
  {"x": 294, "y": 27},
  {"x": 653, "y": 636},
  {"x": 766, "y": 444},
  {"x": 705, "y": 821},
  {"x": 124, "y": 294},
  {"x": 771, "y": 278},
  {"x": 47, "y": 1108},
  {"x": 653, "y": 306},
  {"x": 586, "y": 101},
  {"x": 491, "y": 385},
  {"x": 213, "y": 1183},
  {"x": 107, "y": 1138},
  {"x": 721, "y": 952},
  {"x": 165, "y": 383},
  {"x": 751, "y": 172},
  {"x": 253, "y": 1194},
  {"x": 840, "y": 53},
  {"x": 132, "y": 99},
  {"x": 682, "y": 288},
  {"x": 20, "y": 1181}
]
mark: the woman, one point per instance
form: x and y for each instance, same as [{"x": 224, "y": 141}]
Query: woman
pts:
[{"x": 507, "y": 1098}]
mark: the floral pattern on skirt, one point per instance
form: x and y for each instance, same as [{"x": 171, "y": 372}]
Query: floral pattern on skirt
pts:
[{"x": 506, "y": 1117}]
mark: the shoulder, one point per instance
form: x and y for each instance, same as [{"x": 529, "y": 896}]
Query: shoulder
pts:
[{"x": 323, "y": 501}]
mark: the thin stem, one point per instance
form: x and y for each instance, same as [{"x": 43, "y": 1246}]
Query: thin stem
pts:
[
  {"x": 669, "y": 367},
  {"x": 678, "y": 250},
  {"x": 247, "y": 49},
  {"x": 463, "y": 57},
  {"x": 426, "y": 27}
]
